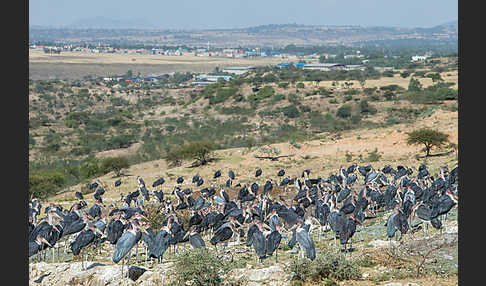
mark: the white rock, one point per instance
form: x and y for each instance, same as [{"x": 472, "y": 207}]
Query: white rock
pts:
[{"x": 382, "y": 243}]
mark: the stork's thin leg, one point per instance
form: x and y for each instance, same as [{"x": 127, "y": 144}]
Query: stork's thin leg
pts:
[
  {"x": 128, "y": 263},
  {"x": 136, "y": 253},
  {"x": 123, "y": 265},
  {"x": 146, "y": 254}
]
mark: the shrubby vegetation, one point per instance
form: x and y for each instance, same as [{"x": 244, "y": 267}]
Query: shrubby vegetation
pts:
[
  {"x": 75, "y": 120},
  {"x": 203, "y": 267},
  {"x": 327, "y": 265}
]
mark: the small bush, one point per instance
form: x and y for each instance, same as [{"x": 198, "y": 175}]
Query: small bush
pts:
[
  {"x": 291, "y": 111},
  {"x": 45, "y": 183},
  {"x": 373, "y": 156},
  {"x": 90, "y": 168},
  {"x": 389, "y": 95},
  {"x": 349, "y": 156},
  {"x": 366, "y": 108},
  {"x": 344, "y": 111},
  {"x": 328, "y": 265},
  {"x": 115, "y": 164},
  {"x": 283, "y": 84},
  {"x": 202, "y": 267},
  {"x": 277, "y": 97}
]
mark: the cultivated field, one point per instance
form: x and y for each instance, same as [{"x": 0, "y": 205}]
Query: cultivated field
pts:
[{"x": 75, "y": 65}]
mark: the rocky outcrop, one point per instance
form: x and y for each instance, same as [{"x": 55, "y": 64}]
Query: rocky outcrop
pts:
[
  {"x": 62, "y": 274},
  {"x": 272, "y": 276}
]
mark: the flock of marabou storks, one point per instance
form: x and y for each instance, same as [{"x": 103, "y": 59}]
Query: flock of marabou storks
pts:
[{"x": 339, "y": 203}]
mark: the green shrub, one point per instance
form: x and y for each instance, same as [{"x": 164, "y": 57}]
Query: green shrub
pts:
[
  {"x": 300, "y": 268},
  {"x": 202, "y": 267},
  {"x": 222, "y": 95},
  {"x": 373, "y": 156},
  {"x": 389, "y": 95},
  {"x": 419, "y": 74},
  {"x": 328, "y": 265},
  {"x": 434, "y": 76},
  {"x": 351, "y": 91},
  {"x": 348, "y": 98},
  {"x": 369, "y": 90},
  {"x": 391, "y": 87},
  {"x": 90, "y": 168},
  {"x": 291, "y": 111},
  {"x": 115, "y": 164},
  {"x": 42, "y": 184},
  {"x": 199, "y": 151},
  {"x": 277, "y": 97},
  {"x": 283, "y": 84},
  {"x": 265, "y": 92},
  {"x": 414, "y": 85},
  {"x": 293, "y": 98},
  {"x": 305, "y": 108},
  {"x": 344, "y": 111},
  {"x": 405, "y": 74},
  {"x": 366, "y": 108}
]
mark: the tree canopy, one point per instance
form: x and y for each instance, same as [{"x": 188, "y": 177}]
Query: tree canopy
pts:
[
  {"x": 199, "y": 151},
  {"x": 428, "y": 137}
]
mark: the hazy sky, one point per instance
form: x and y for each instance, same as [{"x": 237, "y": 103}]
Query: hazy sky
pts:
[{"x": 204, "y": 14}]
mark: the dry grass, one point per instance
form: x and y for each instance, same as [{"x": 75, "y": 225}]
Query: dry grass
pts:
[
  {"x": 324, "y": 156},
  {"x": 73, "y": 65},
  {"x": 383, "y": 81}
]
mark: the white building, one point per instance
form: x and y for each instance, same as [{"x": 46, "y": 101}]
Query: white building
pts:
[
  {"x": 238, "y": 70},
  {"x": 419, "y": 58},
  {"x": 324, "y": 66}
]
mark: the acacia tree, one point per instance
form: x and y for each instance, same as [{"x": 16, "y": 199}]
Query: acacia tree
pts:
[
  {"x": 428, "y": 137},
  {"x": 199, "y": 151},
  {"x": 414, "y": 85},
  {"x": 115, "y": 164}
]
